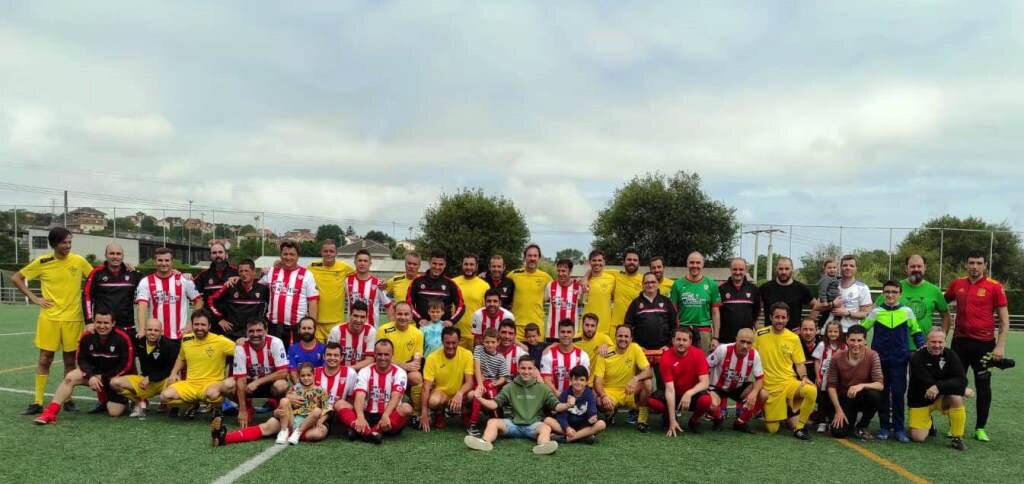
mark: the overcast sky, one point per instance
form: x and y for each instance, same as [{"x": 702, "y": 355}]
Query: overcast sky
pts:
[{"x": 816, "y": 113}]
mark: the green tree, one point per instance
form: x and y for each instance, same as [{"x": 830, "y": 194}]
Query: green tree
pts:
[
  {"x": 764, "y": 271},
  {"x": 149, "y": 226},
  {"x": 575, "y": 255},
  {"x": 330, "y": 231},
  {"x": 250, "y": 249},
  {"x": 378, "y": 236},
  {"x": 471, "y": 222},
  {"x": 666, "y": 216},
  {"x": 7, "y": 251},
  {"x": 973, "y": 234},
  {"x": 309, "y": 249},
  {"x": 812, "y": 263}
]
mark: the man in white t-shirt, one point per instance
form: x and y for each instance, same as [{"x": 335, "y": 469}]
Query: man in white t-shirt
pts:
[{"x": 854, "y": 301}]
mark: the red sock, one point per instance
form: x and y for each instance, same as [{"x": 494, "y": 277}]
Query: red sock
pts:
[
  {"x": 53, "y": 409},
  {"x": 348, "y": 417},
  {"x": 701, "y": 408},
  {"x": 748, "y": 414},
  {"x": 474, "y": 415},
  {"x": 248, "y": 434},
  {"x": 397, "y": 422},
  {"x": 657, "y": 405},
  {"x": 101, "y": 396}
]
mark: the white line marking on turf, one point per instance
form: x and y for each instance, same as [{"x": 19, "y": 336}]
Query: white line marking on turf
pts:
[
  {"x": 27, "y": 392},
  {"x": 248, "y": 466},
  {"x": 17, "y": 334}
]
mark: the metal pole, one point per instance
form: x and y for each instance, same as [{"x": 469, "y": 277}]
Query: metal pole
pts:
[
  {"x": 115, "y": 223},
  {"x": 757, "y": 238},
  {"x": 263, "y": 235},
  {"x": 771, "y": 233},
  {"x": 890, "y": 253},
  {"x": 15, "y": 234},
  {"x": 65, "y": 209},
  {"x": 187, "y": 221},
  {"x": 840, "y": 241},
  {"x": 790, "y": 255},
  {"x": 164, "y": 225},
  {"x": 942, "y": 241},
  {"x": 991, "y": 247},
  {"x": 214, "y": 216}
]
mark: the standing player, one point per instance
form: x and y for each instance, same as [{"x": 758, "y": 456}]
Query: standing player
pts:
[
  {"x": 684, "y": 372},
  {"x": 305, "y": 350},
  {"x": 491, "y": 315},
  {"x": 60, "y": 321},
  {"x": 245, "y": 301},
  {"x": 599, "y": 289},
  {"x": 163, "y": 294},
  {"x": 559, "y": 359},
  {"x": 741, "y": 303},
  {"x": 293, "y": 293},
  {"x": 398, "y": 286},
  {"x": 657, "y": 267},
  {"x": 731, "y": 366},
  {"x": 528, "y": 300},
  {"x": 156, "y": 356},
  {"x": 785, "y": 288},
  {"x": 697, "y": 299},
  {"x": 473, "y": 289},
  {"x": 260, "y": 370},
  {"x": 623, "y": 378},
  {"x": 102, "y": 355},
  {"x": 854, "y": 301},
  {"x": 977, "y": 298},
  {"x": 356, "y": 339},
  {"x": 435, "y": 285},
  {"x": 628, "y": 285},
  {"x": 363, "y": 287},
  {"x": 111, "y": 288},
  {"x": 203, "y": 356},
  {"x": 378, "y": 409},
  {"x": 785, "y": 375},
  {"x": 653, "y": 318},
  {"x": 563, "y": 299},
  {"x": 497, "y": 279},
  {"x": 447, "y": 381},
  {"x": 212, "y": 279},
  {"x": 330, "y": 275}
]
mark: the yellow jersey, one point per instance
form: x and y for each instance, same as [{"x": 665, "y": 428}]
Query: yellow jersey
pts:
[
  {"x": 618, "y": 368},
  {"x": 205, "y": 358},
  {"x": 398, "y": 286},
  {"x": 407, "y": 343},
  {"x": 61, "y": 280},
  {"x": 627, "y": 288},
  {"x": 473, "y": 298},
  {"x": 448, "y": 374},
  {"x": 599, "y": 300},
  {"x": 331, "y": 283},
  {"x": 665, "y": 286},
  {"x": 589, "y": 346},
  {"x": 779, "y": 352},
  {"x": 528, "y": 300}
]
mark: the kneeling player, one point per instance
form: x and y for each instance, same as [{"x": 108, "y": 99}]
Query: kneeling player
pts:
[
  {"x": 447, "y": 381},
  {"x": 260, "y": 370},
  {"x": 578, "y": 422},
  {"x": 731, "y": 365},
  {"x": 378, "y": 409},
  {"x": 684, "y": 369},
  {"x": 623, "y": 378},
  {"x": 938, "y": 383},
  {"x": 785, "y": 374},
  {"x": 156, "y": 358},
  {"x": 202, "y": 356},
  {"x": 102, "y": 355}
]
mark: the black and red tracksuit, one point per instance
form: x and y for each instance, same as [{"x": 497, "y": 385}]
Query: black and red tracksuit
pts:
[
  {"x": 427, "y": 287},
  {"x": 211, "y": 280},
  {"x": 107, "y": 357},
  {"x": 157, "y": 364},
  {"x": 505, "y": 285},
  {"x": 238, "y": 305},
  {"x": 113, "y": 292}
]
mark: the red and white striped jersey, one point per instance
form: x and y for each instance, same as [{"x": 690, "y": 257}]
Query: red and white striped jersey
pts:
[
  {"x": 557, "y": 365},
  {"x": 257, "y": 362},
  {"x": 169, "y": 300},
  {"x": 368, "y": 292},
  {"x": 379, "y": 386},
  {"x": 482, "y": 320},
  {"x": 729, "y": 371},
  {"x": 290, "y": 293},
  {"x": 823, "y": 353},
  {"x": 563, "y": 303},
  {"x": 353, "y": 347},
  {"x": 511, "y": 356},
  {"x": 338, "y": 386}
]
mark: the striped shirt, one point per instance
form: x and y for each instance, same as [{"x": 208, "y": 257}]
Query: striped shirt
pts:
[
  {"x": 563, "y": 303},
  {"x": 290, "y": 293},
  {"x": 378, "y": 386},
  {"x": 823, "y": 353},
  {"x": 492, "y": 366},
  {"x": 729, "y": 372},
  {"x": 354, "y": 347},
  {"x": 368, "y": 292},
  {"x": 482, "y": 320},
  {"x": 338, "y": 386},
  {"x": 169, "y": 299},
  {"x": 257, "y": 362},
  {"x": 557, "y": 365}
]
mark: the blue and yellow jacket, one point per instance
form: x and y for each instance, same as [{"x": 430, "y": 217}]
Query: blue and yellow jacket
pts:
[{"x": 895, "y": 330}]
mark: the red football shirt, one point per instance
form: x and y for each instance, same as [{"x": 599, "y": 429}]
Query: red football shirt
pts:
[
  {"x": 975, "y": 305},
  {"x": 683, "y": 371}
]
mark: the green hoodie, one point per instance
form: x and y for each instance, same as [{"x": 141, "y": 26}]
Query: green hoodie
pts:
[{"x": 527, "y": 399}]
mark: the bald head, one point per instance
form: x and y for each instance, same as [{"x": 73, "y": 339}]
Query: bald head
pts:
[
  {"x": 695, "y": 265},
  {"x": 114, "y": 255},
  {"x": 154, "y": 330}
]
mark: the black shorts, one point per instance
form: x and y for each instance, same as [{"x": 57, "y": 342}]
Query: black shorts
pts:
[
  {"x": 263, "y": 391},
  {"x": 660, "y": 395},
  {"x": 374, "y": 418},
  {"x": 734, "y": 395},
  {"x": 971, "y": 352},
  {"x": 285, "y": 333},
  {"x": 112, "y": 395}
]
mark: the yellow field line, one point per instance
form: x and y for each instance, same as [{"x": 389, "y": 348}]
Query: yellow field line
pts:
[
  {"x": 20, "y": 368},
  {"x": 886, "y": 463}
]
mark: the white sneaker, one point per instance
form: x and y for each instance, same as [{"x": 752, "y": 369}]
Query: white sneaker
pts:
[
  {"x": 294, "y": 438},
  {"x": 822, "y": 427},
  {"x": 546, "y": 448},
  {"x": 476, "y": 443},
  {"x": 138, "y": 411},
  {"x": 282, "y": 437}
]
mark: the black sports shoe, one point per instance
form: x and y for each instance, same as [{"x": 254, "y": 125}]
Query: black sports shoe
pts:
[
  {"x": 590, "y": 440},
  {"x": 931, "y": 431},
  {"x": 375, "y": 438},
  {"x": 693, "y": 426},
  {"x": 33, "y": 409},
  {"x": 98, "y": 408},
  {"x": 742, "y": 427},
  {"x": 473, "y": 430},
  {"x": 190, "y": 412},
  {"x": 351, "y": 434},
  {"x": 802, "y": 434},
  {"x": 414, "y": 422},
  {"x": 70, "y": 406},
  {"x": 642, "y": 427},
  {"x": 716, "y": 424},
  {"x": 1004, "y": 364},
  {"x": 173, "y": 412},
  {"x": 958, "y": 444},
  {"x": 217, "y": 431}
]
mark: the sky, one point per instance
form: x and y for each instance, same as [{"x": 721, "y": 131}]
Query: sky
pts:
[{"x": 363, "y": 113}]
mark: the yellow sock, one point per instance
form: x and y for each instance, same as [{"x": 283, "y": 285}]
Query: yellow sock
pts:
[
  {"x": 810, "y": 395},
  {"x": 772, "y": 427},
  {"x": 416, "y": 395},
  {"x": 957, "y": 421},
  {"x": 644, "y": 412},
  {"x": 40, "y": 388}
]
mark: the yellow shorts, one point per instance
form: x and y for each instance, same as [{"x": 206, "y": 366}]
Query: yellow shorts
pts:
[
  {"x": 194, "y": 391},
  {"x": 921, "y": 417},
  {"x": 781, "y": 400},
  {"x": 620, "y": 398},
  {"x": 58, "y": 335},
  {"x": 153, "y": 389},
  {"x": 324, "y": 329}
]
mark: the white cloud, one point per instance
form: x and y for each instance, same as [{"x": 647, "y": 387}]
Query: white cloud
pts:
[
  {"x": 554, "y": 204},
  {"x": 134, "y": 131}
]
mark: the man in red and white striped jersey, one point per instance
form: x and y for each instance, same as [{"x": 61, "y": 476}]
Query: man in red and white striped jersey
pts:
[
  {"x": 365, "y": 287},
  {"x": 558, "y": 361},
  {"x": 260, "y": 370},
  {"x": 378, "y": 407},
  {"x": 731, "y": 366},
  {"x": 293, "y": 293},
  {"x": 563, "y": 298},
  {"x": 489, "y": 316},
  {"x": 356, "y": 338},
  {"x": 510, "y": 349},
  {"x": 162, "y": 295}
]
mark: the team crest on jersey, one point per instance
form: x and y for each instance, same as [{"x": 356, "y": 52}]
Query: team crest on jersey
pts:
[
  {"x": 126, "y": 277},
  {"x": 256, "y": 294},
  {"x": 156, "y": 354},
  {"x": 661, "y": 304},
  {"x": 211, "y": 281},
  {"x": 209, "y": 351},
  {"x": 111, "y": 348},
  {"x": 706, "y": 287},
  {"x": 728, "y": 295},
  {"x": 90, "y": 347},
  {"x": 236, "y": 294},
  {"x": 444, "y": 287},
  {"x": 748, "y": 295},
  {"x": 981, "y": 292},
  {"x": 942, "y": 363},
  {"x": 104, "y": 278},
  {"x": 423, "y": 286},
  {"x": 641, "y": 305}
]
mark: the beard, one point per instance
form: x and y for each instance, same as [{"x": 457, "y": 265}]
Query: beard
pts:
[
  {"x": 306, "y": 337},
  {"x": 219, "y": 264},
  {"x": 915, "y": 277}
]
